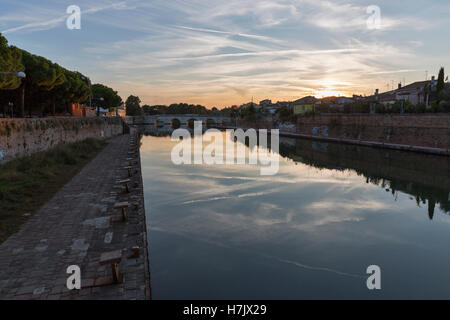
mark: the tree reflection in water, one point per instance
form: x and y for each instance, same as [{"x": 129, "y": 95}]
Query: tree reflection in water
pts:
[{"x": 424, "y": 177}]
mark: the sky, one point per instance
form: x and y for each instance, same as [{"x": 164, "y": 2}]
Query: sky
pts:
[{"x": 220, "y": 53}]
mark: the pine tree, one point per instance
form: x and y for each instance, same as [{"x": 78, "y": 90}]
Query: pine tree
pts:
[
  {"x": 10, "y": 61},
  {"x": 133, "y": 106},
  {"x": 441, "y": 79}
]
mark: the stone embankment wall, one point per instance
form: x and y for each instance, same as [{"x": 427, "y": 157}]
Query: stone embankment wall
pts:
[
  {"x": 424, "y": 130},
  {"x": 20, "y": 137},
  {"x": 257, "y": 124}
]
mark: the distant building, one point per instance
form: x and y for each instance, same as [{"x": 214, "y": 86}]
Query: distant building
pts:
[
  {"x": 79, "y": 110},
  {"x": 281, "y": 104},
  {"x": 303, "y": 108},
  {"x": 415, "y": 92},
  {"x": 304, "y": 105},
  {"x": 330, "y": 100},
  {"x": 357, "y": 97},
  {"x": 305, "y": 100},
  {"x": 387, "y": 97},
  {"x": 344, "y": 100},
  {"x": 121, "y": 111},
  {"x": 271, "y": 108},
  {"x": 265, "y": 103},
  {"x": 104, "y": 112}
]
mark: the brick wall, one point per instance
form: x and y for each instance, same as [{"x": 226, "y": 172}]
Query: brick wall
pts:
[
  {"x": 19, "y": 137},
  {"x": 425, "y": 130}
]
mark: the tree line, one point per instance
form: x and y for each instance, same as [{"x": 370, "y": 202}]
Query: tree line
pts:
[
  {"x": 47, "y": 88},
  {"x": 178, "y": 108},
  {"x": 134, "y": 108}
]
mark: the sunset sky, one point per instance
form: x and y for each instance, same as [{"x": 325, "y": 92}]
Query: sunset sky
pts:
[{"x": 219, "y": 53}]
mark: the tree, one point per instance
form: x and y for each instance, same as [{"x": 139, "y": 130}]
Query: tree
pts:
[
  {"x": 133, "y": 106},
  {"x": 75, "y": 88},
  {"x": 441, "y": 80},
  {"x": 105, "y": 97},
  {"x": 10, "y": 61},
  {"x": 151, "y": 110},
  {"x": 42, "y": 76},
  {"x": 441, "y": 83},
  {"x": 286, "y": 115},
  {"x": 249, "y": 112},
  {"x": 46, "y": 84},
  {"x": 444, "y": 97}
]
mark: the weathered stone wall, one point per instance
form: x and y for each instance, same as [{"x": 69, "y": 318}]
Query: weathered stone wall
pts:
[
  {"x": 20, "y": 137},
  {"x": 424, "y": 130},
  {"x": 262, "y": 123}
]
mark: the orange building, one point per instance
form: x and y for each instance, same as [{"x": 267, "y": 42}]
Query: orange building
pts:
[{"x": 79, "y": 110}]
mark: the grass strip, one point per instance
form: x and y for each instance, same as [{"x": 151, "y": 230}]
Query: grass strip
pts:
[{"x": 26, "y": 184}]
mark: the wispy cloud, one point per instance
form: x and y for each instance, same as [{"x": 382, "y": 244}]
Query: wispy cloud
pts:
[
  {"x": 222, "y": 53},
  {"x": 51, "y": 23}
]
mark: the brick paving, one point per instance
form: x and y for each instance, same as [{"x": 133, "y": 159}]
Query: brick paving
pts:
[{"x": 74, "y": 228}]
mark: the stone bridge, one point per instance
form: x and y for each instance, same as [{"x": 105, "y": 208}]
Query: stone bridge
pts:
[{"x": 176, "y": 121}]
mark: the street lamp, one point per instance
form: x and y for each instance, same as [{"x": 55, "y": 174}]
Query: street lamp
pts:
[
  {"x": 98, "y": 107},
  {"x": 17, "y": 74},
  {"x": 11, "y": 107},
  {"x": 20, "y": 75}
]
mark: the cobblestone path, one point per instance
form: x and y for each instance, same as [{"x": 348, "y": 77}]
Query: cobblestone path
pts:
[{"x": 75, "y": 228}]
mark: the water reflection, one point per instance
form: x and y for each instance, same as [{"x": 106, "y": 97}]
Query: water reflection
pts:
[
  {"x": 424, "y": 177},
  {"x": 308, "y": 232}
]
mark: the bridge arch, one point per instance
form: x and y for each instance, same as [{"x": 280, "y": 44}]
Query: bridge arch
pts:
[
  {"x": 175, "y": 123},
  {"x": 190, "y": 123},
  {"x": 210, "y": 123},
  {"x": 159, "y": 123}
]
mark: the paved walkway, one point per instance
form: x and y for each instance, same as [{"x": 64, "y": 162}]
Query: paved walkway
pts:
[{"x": 74, "y": 228}]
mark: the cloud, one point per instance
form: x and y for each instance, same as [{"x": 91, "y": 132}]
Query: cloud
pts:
[
  {"x": 339, "y": 16},
  {"x": 252, "y": 36},
  {"x": 242, "y": 92},
  {"x": 51, "y": 23},
  {"x": 36, "y": 26},
  {"x": 222, "y": 53}
]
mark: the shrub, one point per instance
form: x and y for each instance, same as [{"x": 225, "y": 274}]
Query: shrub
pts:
[
  {"x": 380, "y": 108},
  {"x": 420, "y": 108},
  {"x": 445, "y": 106}
]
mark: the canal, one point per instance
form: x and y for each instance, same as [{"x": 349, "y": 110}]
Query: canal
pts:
[{"x": 310, "y": 231}]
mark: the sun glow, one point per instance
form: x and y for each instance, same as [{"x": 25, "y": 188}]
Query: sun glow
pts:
[{"x": 327, "y": 93}]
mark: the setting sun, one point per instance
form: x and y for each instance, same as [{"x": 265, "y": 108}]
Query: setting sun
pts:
[{"x": 327, "y": 93}]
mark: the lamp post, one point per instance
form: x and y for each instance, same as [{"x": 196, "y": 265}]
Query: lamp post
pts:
[
  {"x": 20, "y": 75},
  {"x": 11, "y": 108},
  {"x": 98, "y": 107},
  {"x": 17, "y": 74}
]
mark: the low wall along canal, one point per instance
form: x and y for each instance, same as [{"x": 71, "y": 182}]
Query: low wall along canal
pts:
[
  {"x": 20, "y": 137},
  {"x": 423, "y": 132}
]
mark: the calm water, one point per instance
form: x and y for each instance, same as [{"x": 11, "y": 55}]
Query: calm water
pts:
[{"x": 225, "y": 232}]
